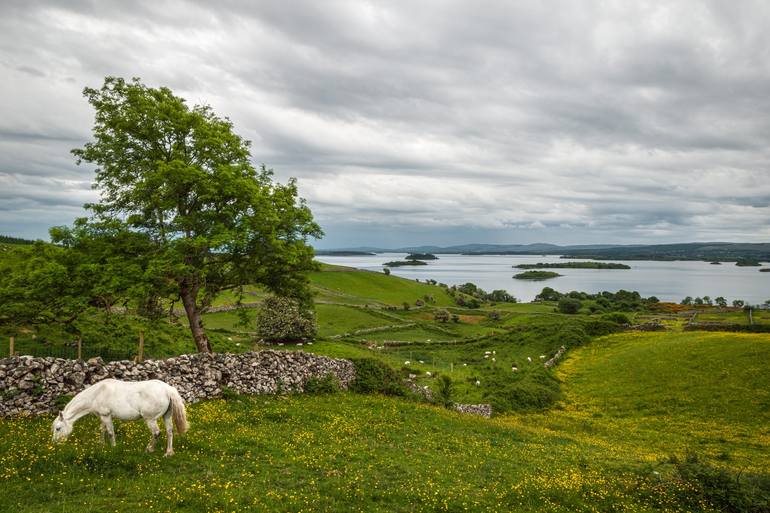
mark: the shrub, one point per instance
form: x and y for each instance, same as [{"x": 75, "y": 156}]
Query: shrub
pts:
[
  {"x": 725, "y": 490},
  {"x": 441, "y": 315},
  {"x": 386, "y": 271},
  {"x": 455, "y": 318},
  {"x": 374, "y": 376},
  {"x": 533, "y": 390},
  {"x": 328, "y": 384},
  {"x": 228, "y": 394},
  {"x": 445, "y": 392},
  {"x": 569, "y": 305},
  {"x": 283, "y": 319},
  {"x": 617, "y": 318}
]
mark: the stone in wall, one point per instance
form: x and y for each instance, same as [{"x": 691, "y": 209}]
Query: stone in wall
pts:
[{"x": 31, "y": 385}]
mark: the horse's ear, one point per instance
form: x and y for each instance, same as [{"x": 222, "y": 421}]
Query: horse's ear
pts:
[{"x": 61, "y": 415}]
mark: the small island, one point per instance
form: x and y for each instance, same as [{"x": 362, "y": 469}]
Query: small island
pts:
[
  {"x": 765, "y": 270},
  {"x": 421, "y": 256},
  {"x": 716, "y": 263},
  {"x": 323, "y": 252},
  {"x": 573, "y": 265},
  {"x": 747, "y": 262},
  {"x": 536, "y": 275},
  {"x": 400, "y": 263}
]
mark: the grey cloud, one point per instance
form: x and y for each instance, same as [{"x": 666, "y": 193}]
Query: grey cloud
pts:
[{"x": 504, "y": 121}]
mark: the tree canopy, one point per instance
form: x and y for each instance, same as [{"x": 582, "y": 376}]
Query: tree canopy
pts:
[{"x": 182, "y": 203}]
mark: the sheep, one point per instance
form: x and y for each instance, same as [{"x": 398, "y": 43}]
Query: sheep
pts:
[
  {"x": 407, "y": 362},
  {"x": 515, "y": 369},
  {"x": 542, "y": 357},
  {"x": 494, "y": 359},
  {"x": 478, "y": 382},
  {"x": 486, "y": 356},
  {"x": 428, "y": 373},
  {"x": 529, "y": 359}
]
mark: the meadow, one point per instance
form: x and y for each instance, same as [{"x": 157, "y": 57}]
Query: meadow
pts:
[{"x": 618, "y": 425}]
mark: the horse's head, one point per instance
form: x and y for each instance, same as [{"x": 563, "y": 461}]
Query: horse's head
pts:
[{"x": 61, "y": 428}]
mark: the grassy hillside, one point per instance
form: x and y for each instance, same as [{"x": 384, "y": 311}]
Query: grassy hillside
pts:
[
  {"x": 652, "y": 394},
  {"x": 333, "y": 453},
  {"x": 376, "y": 287},
  {"x": 631, "y": 401}
]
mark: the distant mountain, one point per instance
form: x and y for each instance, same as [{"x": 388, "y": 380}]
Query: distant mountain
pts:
[{"x": 712, "y": 251}]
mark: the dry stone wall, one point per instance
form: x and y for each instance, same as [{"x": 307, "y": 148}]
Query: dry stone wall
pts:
[{"x": 31, "y": 385}]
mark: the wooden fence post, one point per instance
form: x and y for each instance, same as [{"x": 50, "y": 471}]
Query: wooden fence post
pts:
[
  {"x": 80, "y": 348},
  {"x": 140, "y": 356},
  {"x": 11, "y": 350}
]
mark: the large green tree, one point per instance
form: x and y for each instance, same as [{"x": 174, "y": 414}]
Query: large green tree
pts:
[{"x": 178, "y": 183}]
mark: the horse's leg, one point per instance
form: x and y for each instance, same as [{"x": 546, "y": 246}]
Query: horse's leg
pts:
[
  {"x": 155, "y": 431},
  {"x": 103, "y": 433},
  {"x": 107, "y": 425},
  {"x": 169, "y": 433}
]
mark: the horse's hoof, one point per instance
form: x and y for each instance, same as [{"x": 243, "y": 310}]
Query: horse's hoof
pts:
[{"x": 168, "y": 453}]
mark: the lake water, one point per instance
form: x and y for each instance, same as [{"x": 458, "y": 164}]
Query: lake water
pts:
[{"x": 669, "y": 281}]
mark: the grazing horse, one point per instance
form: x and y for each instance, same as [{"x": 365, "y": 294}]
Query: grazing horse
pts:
[{"x": 126, "y": 400}]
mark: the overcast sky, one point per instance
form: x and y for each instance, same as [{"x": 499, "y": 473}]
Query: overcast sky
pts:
[{"x": 424, "y": 122}]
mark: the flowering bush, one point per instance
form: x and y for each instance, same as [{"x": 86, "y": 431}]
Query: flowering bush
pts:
[{"x": 283, "y": 319}]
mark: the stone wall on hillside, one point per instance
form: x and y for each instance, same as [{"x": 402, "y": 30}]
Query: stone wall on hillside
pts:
[{"x": 31, "y": 385}]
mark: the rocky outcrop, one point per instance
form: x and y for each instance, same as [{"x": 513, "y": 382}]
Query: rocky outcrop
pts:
[
  {"x": 551, "y": 362},
  {"x": 31, "y": 385}
]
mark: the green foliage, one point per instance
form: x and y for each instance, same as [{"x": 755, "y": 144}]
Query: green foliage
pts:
[
  {"x": 374, "y": 376},
  {"x": 445, "y": 391},
  {"x": 441, "y": 315},
  {"x": 401, "y": 263},
  {"x": 723, "y": 489},
  {"x": 568, "y": 305},
  {"x": 536, "y": 389},
  {"x": 178, "y": 184},
  {"x": 573, "y": 265},
  {"x": 228, "y": 394},
  {"x": 328, "y": 384},
  {"x": 62, "y": 401},
  {"x": 617, "y": 318},
  {"x": 386, "y": 271},
  {"x": 284, "y": 319},
  {"x": 536, "y": 275}
]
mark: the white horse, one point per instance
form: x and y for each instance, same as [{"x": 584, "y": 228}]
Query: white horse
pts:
[{"x": 126, "y": 400}]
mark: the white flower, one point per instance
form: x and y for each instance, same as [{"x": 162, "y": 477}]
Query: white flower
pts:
[
  {"x": 478, "y": 382},
  {"x": 514, "y": 369},
  {"x": 407, "y": 362},
  {"x": 494, "y": 359},
  {"x": 422, "y": 361},
  {"x": 427, "y": 373},
  {"x": 465, "y": 365}
]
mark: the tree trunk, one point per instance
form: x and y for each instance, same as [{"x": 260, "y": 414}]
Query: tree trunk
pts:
[{"x": 194, "y": 318}]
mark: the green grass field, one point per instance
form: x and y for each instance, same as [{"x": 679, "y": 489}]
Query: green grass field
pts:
[
  {"x": 621, "y": 405},
  {"x": 631, "y": 400}
]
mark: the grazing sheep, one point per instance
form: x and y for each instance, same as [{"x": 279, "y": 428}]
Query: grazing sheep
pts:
[
  {"x": 529, "y": 359},
  {"x": 486, "y": 356},
  {"x": 427, "y": 373},
  {"x": 407, "y": 362},
  {"x": 494, "y": 359},
  {"x": 478, "y": 382},
  {"x": 515, "y": 369},
  {"x": 542, "y": 357}
]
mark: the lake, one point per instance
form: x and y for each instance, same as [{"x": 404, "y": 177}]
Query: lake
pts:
[{"x": 669, "y": 281}]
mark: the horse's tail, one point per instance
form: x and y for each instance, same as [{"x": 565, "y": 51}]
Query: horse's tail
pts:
[{"x": 178, "y": 412}]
